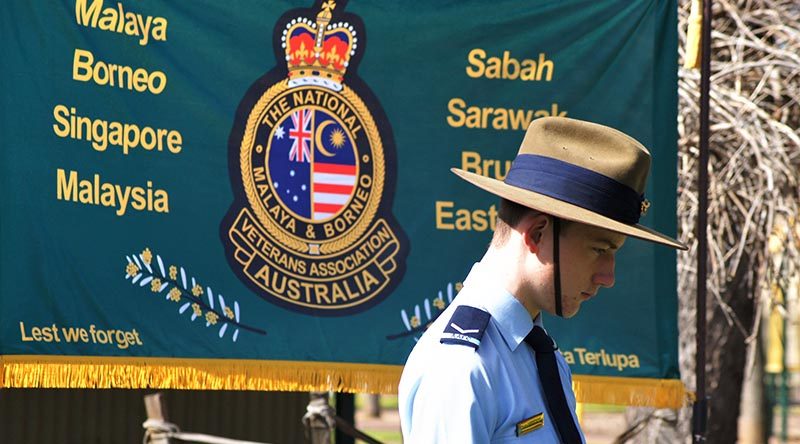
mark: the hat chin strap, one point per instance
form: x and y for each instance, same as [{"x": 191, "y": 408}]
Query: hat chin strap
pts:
[{"x": 557, "y": 261}]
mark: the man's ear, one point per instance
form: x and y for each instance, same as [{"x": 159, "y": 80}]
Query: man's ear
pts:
[{"x": 534, "y": 231}]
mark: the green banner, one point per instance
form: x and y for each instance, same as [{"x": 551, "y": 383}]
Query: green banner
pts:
[{"x": 256, "y": 194}]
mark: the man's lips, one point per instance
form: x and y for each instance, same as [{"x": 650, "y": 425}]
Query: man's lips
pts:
[{"x": 587, "y": 296}]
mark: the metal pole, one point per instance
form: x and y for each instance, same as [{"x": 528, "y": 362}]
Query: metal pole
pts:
[
  {"x": 345, "y": 409},
  {"x": 374, "y": 405},
  {"x": 700, "y": 410}
]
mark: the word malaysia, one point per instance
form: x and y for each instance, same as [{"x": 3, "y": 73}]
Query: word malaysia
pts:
[
  {"x": 94, "y": 191},
  {"x": 462, "y": 114}
]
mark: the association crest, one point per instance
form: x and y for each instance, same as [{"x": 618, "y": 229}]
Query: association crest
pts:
[{"x": 311, "y": 161}]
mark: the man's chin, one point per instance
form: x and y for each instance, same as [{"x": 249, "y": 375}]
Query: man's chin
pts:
[
  {"x": 570, "y": 315},
  {"x": 565, "y": 314}
]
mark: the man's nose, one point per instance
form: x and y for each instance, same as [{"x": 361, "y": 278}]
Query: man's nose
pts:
[{"x": 605, "y": 275}]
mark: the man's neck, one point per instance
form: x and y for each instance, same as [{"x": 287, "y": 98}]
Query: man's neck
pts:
[{"x": 506, "y": 266}]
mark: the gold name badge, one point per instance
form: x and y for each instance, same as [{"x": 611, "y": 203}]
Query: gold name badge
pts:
[{"x": 526, "y": 426}]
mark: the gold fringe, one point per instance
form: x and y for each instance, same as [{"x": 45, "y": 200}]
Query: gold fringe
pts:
[
  {"x": 640, "y": 392},
  {"x": 33, "y": 371},
  {"x": 24, "y": 371}
]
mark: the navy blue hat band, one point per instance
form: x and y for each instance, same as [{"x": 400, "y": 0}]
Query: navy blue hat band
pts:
[{"x": 576, "y": 185}]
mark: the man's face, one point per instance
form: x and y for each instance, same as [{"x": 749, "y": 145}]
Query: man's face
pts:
[{"x": 587, "y": 263}]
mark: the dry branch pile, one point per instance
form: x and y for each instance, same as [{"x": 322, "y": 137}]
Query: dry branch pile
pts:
[
  {"x": 753, "y": 194},
  {"x": 754, "y": 146}
]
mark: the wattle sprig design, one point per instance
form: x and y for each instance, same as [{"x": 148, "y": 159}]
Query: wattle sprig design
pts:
[
  {"x": 416, "y": 324},
  {"x": 141, "y": 270}
]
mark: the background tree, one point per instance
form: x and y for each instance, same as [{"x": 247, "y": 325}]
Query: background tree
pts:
[{"x": 754, "y": 163}]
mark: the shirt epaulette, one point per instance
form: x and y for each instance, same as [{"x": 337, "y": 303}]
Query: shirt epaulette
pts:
[{"x": 466, "y": 327}]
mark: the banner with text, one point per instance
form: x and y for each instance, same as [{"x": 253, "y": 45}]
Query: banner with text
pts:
[{"x": 256, "y": 195}]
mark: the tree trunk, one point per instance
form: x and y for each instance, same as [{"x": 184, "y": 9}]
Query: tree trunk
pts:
[
  {"x": 727, "y": 354},
  {"x": 752, "y": 424},
  {"x": 752, "y": 185}
]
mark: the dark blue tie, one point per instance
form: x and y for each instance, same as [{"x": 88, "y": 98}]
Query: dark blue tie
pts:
[{"x": 545, "y": 350}]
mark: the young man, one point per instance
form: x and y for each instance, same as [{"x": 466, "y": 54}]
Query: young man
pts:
[{"x": 486, "y": 371}]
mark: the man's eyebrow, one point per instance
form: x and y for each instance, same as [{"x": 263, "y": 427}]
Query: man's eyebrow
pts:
[{"x": 609, "y": 243}]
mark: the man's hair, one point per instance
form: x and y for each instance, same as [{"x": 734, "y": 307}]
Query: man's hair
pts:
[{"x": 509, "y": 215}]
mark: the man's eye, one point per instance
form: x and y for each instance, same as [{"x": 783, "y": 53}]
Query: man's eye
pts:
[{"x": 600, "y": 250}]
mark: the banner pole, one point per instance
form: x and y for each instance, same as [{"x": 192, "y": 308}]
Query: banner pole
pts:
[{"x": 700, "y": 408}]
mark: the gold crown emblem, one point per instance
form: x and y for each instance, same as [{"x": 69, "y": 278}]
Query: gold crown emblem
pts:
[{"x": 318, "y": 52}]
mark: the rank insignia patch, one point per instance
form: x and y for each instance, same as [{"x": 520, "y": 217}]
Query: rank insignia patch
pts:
[
  {"x": 466, "y": 327},
  {"x": 311, "y": 160},
  {"x": 526, "y": 426}
]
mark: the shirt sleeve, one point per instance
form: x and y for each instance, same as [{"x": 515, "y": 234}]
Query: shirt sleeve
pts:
[{"x": 453, "y": 402}]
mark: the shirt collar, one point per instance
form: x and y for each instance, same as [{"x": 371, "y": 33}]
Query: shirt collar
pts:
[{"x": 512, "y": 319}]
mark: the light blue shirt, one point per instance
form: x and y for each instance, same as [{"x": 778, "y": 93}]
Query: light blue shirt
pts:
[{"x": 455, "y": 394}]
